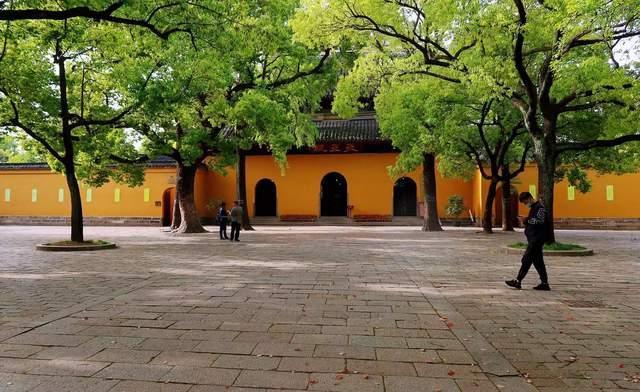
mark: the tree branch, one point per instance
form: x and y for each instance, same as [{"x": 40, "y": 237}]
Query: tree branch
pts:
[
  {"x": 583, "y": 146},
  {"x": 546, "y": 76},
  {"x": 615, "y": 37},
  {"x": 5, "y": 41},
  {"x": 518, "y": 55},
  {"x": 473, "y": 153},
  {"x": 523, "y": 161},
  {"x": 282, "y": 82},
  {"x": 591, "y": 105},
  {"x": 83, "y": 122},
  {"x": 15, "y": 122},
  {"x": 301, "y": 74},
  {"x": 484, "y": 112},
  {"x": 589, "y": 93},
  {"x": 97, "y": 15},
  {"x": 390, "y": 31},
  {"x": 430, "y": 73}
]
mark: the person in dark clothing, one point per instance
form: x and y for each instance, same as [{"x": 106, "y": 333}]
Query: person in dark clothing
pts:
[
  {"x": 223, "y": 218},
  {"x": 535, "y": 229}
]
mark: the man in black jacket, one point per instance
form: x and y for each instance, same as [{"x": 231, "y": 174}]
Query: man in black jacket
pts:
[
  {"x": 535, "y": 229},
  {"x": 223, "y": 218}
]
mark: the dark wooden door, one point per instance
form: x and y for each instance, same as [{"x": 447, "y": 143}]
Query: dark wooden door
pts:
[
  {"x": 266, "y": 198},
  {"x": 333, "y": 196},
  {"x": 405, "y": 197}
]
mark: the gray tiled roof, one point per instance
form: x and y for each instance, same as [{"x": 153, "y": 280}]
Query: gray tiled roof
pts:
[
  {"x": 349, "y": 131},
  {"x": 361, "y": 129},
  {"x": 25, "y": 166}
]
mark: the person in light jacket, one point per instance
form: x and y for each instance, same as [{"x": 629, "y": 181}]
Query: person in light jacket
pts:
[{"x": 236, "y": 221}]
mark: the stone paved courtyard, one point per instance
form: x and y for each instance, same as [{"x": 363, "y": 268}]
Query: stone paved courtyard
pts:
[{"x": 315, "y": 308}]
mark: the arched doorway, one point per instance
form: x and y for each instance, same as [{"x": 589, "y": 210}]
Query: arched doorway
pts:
[
  {"x": 266, "y": 198},
  {"x": 405, "y": 199},
  {"x": 333, "y": 195},
  {"x": 168, "y": 197}
]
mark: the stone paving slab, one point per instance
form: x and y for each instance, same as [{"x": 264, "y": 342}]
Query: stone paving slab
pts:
[{"x": 315, "y": 309}]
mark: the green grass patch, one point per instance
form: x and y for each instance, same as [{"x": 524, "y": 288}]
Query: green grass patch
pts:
[{"x": 554, "y": 246}]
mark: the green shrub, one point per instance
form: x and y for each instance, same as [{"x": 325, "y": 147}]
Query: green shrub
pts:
[
  {"x": 554, "y": 246},
  {"x": 455, "y": 205}
]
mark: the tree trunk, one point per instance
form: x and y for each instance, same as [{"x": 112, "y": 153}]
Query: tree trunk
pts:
[
  {"x": 185, "y": 186},
  {"x": 241, "y": 190},
  {"x": 487, "y": 216},
  {"x": 431, "y": 220},
  {"x": 77, "y": 224},
  {"x": 507, "y": 211},
  {"x": 176, "y": 218},
  {"x": 546, "y": 159}
]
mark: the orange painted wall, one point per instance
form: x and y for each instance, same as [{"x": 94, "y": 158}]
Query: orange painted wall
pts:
[
  {"x": 369, "y": 187},
  {"x": 47, "y": 183},
  {"x": 370, "y": 190},
  {"x": 201, "y": 196},
  {"x": 478, "y": 196},
  {"x": 593, "y": 204},
  {"x": 222, "y": 187}
]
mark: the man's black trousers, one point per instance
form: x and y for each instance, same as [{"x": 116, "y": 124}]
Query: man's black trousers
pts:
[
  {"x": 533, "y": 255},
  {"x": 223, "y": 230},
  {"x": 235, "y": 231}
]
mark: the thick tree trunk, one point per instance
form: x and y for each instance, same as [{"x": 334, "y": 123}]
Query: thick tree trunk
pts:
[
  {"x": 176, "y": 217},
  {"x": 241, "y": 190},
  {"x": 185, "y": 186},
  {"x": 77, "y": 224},
  {"x": 431, "y": 220},
  {"x": 546, "y": 159},
  {"x": 546, "y": 183},
  {"x": 487, "y": 216},
  {"x": 507, "y": 210}
]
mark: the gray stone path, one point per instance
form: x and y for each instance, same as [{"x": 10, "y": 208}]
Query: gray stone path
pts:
[{"x": 315, "y": 308}]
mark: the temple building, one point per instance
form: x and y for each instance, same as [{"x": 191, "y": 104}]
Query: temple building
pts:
[{"x": 343, "y": 179}]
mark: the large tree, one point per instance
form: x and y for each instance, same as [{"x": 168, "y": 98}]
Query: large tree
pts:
[
  {"x": 69, "y": 86},
  {"x": 404, "y": 116},
  {"x": 245, "y": 82},
  {"x": 568, "y": 73},
  {"x": 487, "y": 136},
  {"x": 423, "y": 116},
  {"x": 557, "y": 61}
]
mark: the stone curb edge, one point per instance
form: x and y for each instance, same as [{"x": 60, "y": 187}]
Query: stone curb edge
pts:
[
  {"x": 75, "y": 248},
  {"x": 570, "y": 253}
]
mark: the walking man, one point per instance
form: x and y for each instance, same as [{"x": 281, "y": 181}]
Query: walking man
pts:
[
  {"x": 223, "y": 217},
  {"x": 236, "y": 221},
  {"x": 535, "y": 229}
]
